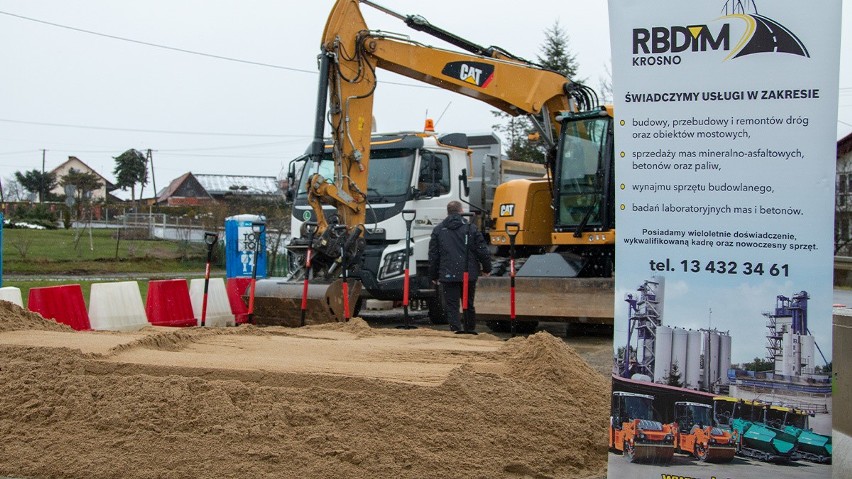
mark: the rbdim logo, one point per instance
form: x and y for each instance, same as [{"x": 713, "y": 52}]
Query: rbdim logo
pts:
[{"x": 657, "y": 46}]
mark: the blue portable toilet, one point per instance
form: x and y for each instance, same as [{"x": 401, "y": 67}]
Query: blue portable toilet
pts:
[{"x": 240, "y": 242}]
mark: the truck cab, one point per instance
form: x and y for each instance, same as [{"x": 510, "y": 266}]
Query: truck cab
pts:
[{"x": 408, "y": 171}]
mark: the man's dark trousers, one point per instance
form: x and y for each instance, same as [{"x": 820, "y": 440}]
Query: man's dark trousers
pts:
[{"x": 452, "y": 299}]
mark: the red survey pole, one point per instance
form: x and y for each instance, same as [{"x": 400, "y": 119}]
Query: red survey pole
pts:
[
  {"x": 310, "y": 228},
  {"x": 512, "y": 229},
  {"x": 466, "y": 277},
  {"x": 407, "y": 216}
]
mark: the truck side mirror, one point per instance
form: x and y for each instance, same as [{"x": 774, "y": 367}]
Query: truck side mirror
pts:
[
  {"x": 292, "y": 185},
  {"x": 415, "y": 193},
  {"x": 463, "y": 181}
]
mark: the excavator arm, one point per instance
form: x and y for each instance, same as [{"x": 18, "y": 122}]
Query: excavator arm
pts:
[{"x": 351, "y": 54}]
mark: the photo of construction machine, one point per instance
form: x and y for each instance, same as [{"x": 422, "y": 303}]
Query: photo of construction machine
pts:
[
  {"x": 566, "y": 218},
  {"x": 744, "y": 418},
  {"x": 810, "y": 446},
  {"x": 636, "y": 432},
  {"x": 696, "y": 433}
]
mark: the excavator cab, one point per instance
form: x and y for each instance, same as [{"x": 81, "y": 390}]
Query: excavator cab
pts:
[{"x": 582, "y": 187}]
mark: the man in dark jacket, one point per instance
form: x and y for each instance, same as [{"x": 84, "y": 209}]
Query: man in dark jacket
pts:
[{"x": 454, "y": 243}]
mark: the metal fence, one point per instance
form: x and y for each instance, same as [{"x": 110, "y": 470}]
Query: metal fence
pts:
[{"x": 161, "y": 226}]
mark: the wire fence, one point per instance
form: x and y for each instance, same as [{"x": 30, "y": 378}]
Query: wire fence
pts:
[{"x": 162, "y": 226}]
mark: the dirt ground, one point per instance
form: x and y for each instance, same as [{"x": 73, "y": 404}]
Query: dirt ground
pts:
[{"x": 338, "y": 400}]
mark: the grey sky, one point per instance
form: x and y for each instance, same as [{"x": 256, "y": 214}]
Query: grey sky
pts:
[
  {"x": 59, "y": 76},
  {"x": 263, "y": 115}
]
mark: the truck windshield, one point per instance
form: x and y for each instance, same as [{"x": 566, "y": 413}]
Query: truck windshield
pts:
[
  {"x": 389, "y": 179},
  {"x": 638, "y": 408},
  {"x": 581, "y": 179}
]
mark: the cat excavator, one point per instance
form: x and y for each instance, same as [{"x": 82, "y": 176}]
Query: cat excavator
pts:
[{"x": 565, "y": 220}]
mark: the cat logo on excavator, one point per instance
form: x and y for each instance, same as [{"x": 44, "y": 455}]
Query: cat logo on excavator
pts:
[
  {"x": 507, "y": 209},
  {"x": 475, "y": 73}
]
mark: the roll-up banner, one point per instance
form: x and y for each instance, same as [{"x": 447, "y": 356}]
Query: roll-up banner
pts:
[{"x": 725, "y": 129}]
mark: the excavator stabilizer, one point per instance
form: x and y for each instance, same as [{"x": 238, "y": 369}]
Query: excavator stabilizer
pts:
[
  {"x": 278, "y": 302},
  {"x": 547, "y": 299}
]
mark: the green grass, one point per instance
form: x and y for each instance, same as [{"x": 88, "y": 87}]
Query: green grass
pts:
[
  {"x": 86, "y": 286},
  {"x": 43, "y": 252},
  {"x": 49, "y": 254}
]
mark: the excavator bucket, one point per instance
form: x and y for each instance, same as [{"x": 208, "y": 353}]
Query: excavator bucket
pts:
[{"x": 278, "y": 302}]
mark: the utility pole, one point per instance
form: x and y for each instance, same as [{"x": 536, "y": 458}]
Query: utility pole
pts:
[{"x": 153, "y": 178}]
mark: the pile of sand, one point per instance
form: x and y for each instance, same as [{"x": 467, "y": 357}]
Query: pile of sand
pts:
[
  {"x": 13, "y": 318},
  {"x": 529, "y": 407},
  {"x": 356, "y": 326}
]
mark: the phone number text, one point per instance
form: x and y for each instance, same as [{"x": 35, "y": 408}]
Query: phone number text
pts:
[{"x": 746, "y": 268}]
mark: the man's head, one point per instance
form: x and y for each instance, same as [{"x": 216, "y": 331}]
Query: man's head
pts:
[{"x": 454, "y": 208}]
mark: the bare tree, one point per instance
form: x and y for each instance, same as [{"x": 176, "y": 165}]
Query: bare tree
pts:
[
  {"x": 22, "y": 244},
  {"x": 605, "y": 84},
  {"x": 12, "y": 190}
]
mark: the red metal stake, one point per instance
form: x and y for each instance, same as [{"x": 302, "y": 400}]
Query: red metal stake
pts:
[
  {"x": 512, "y": 300},
  {"x": 408, "y": 216},
  {"x": 405, "y": 288},
  {"x": 466, "y": 277},
  {"x": 345, "y": 300},
  {"x": 310, "y": 228},
  {"x": 512, "y": 229}
]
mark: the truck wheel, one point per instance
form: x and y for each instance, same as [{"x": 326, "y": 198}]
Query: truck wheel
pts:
[
  {"x": 436, "y": 307},
  {"x": 505, "y": 326},
  {"x": 629, "y": 452},
  {"x": 701, "y": 453}
]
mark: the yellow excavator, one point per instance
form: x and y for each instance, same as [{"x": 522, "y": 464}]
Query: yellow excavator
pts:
[{"x": 565, "y": 220}]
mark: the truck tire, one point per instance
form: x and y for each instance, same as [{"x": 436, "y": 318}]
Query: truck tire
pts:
[
  {"x": 436, "y": 307},
  {"x": 505, "y": 326}
]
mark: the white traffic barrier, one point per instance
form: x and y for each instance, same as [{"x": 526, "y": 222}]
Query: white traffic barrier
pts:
[
  {"x": 218, "y": 308},
  {"x": 12, "y": 295},
  {"x": 116, "y": 307}
]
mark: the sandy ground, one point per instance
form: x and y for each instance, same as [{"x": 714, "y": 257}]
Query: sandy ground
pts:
[{"x": 340, "y": 400}]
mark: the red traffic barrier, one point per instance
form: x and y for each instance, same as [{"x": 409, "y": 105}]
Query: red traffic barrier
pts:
[
  {"x": 168, "y": 303},
  {"x": 62, "y": 303},
  {"x": 236, "y": 288}
]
